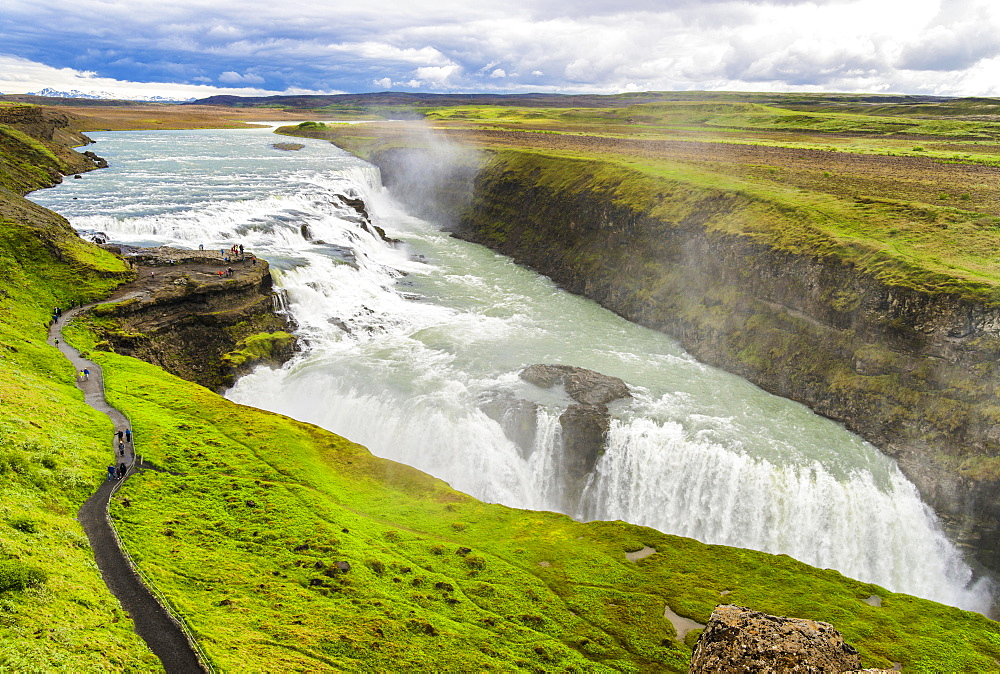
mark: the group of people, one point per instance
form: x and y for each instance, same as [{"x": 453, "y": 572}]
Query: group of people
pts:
[
  {"x": 123, "y": 437},
  {"x": 236, "y": 252},
  {"x": 56, "y": 314},
  {"x": 84, "y": 374}
]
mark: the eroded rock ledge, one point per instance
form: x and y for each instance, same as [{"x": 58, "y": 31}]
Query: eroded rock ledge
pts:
[
  {"x": 585, "y": 423},
  {"x": 183, "y": 315}
]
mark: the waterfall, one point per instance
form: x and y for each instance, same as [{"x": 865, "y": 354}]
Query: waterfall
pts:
[
  {"x": 652, "y": 474},
  {"x": 414, "y": 351}
]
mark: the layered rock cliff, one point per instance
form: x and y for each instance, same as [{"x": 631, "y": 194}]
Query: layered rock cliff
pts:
[
  {"x": 183, "y": 315},
  {"x": 36, "y": 146},
  {"x": 912, "y": 371}
]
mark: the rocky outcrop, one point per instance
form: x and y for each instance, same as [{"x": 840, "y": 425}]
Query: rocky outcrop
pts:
[
  {"x": 584, "y": 386},
  {"x": 738, "y": 639},
  {"x": 584, "y": 432},
  {"x": 183, "y": 315},
  {"x": 585, "y": 423},
  {"x": 38, "y": 148},
  {"x": 518, "y": 419}
]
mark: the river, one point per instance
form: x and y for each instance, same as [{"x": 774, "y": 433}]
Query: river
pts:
[{"x": 406, "y": 348}]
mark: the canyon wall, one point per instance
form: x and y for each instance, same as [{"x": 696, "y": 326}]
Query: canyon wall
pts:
[
  {"x": 912, "y": 371},
  {"x": 36, "y": 146}
]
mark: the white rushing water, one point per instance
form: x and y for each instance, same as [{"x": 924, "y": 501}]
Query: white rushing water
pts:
[{"x": 414, "y": 351}]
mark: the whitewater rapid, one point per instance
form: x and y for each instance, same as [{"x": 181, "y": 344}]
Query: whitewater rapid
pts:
[{"x": 410, "y": 349}]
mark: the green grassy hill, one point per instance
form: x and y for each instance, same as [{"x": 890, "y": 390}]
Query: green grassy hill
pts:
[{"x": 243, "y": 528}]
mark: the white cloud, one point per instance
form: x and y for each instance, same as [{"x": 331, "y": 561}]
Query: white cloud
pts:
[
  {"x": 440, "y": 77},
  {"x": 933, "y": 46},
  {"x": 380, "y": 51},
  {"x": 19, "y": 75},
  {"x": 231, "y": 77}
]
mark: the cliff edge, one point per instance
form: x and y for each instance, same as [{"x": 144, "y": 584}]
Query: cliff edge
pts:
[{"x": 196, "y": 315}]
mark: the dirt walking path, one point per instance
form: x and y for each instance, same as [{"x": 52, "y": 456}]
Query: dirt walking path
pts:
[{"x": 152, "y": 621}]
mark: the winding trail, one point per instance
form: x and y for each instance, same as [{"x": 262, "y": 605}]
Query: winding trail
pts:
[{"x": 153, "y": 622}]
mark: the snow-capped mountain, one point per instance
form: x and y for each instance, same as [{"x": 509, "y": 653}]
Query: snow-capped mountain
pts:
[{"x": 103, "y": 95}]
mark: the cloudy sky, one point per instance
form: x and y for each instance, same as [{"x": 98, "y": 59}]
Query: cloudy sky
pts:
[{"x": 195, "y": 48}]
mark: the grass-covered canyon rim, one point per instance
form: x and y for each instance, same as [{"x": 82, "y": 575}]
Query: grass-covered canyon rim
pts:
[{"x": 244, "y": 534}]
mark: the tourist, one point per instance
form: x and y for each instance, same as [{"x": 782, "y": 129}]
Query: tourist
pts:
[
  {"x": 128, "y": 435},
  {"x": 111, "y": 472},
  {"x": 86, "y": 372}
]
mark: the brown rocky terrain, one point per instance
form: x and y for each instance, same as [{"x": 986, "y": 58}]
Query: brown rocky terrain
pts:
[
  {"x": 739, "y": 639},
  {"x": 188, "y": 314}
]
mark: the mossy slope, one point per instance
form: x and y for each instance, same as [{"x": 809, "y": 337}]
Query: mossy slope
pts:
[
  {"x": 53, "y": 450},
  {"x": 244, "y": 527}
]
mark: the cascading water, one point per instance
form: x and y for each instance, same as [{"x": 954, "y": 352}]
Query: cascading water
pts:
[{"x": 414, "y": 351}]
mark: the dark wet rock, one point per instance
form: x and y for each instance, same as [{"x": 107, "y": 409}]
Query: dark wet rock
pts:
[
  {"x": 584, "y": 424},
  {"x": 518, "y": 418},
  {"x": 739, "y": 639},
  {"x": 306, "y": 234},
  {"x": 287, "y": 146},
  {"x": 99, "y": 162},
  {"x": 582, "y": 385},
  {"x": 585, "y": 428},
  {"x": 358, "y": 204},
  {"x": 382, "y": 235}
]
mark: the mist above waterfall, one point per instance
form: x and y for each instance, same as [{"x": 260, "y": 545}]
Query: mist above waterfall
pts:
[
  {"x": 411, "y": 348},
  {"x": 431, "y": 175}
]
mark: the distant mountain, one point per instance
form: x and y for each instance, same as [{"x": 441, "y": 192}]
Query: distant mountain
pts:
[
  {"x": 104, "y": 96},
  {"x": 395, "y": 99}
]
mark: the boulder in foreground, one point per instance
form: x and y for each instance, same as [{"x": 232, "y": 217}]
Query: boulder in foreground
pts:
[{"x": 739, "y": 639}]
